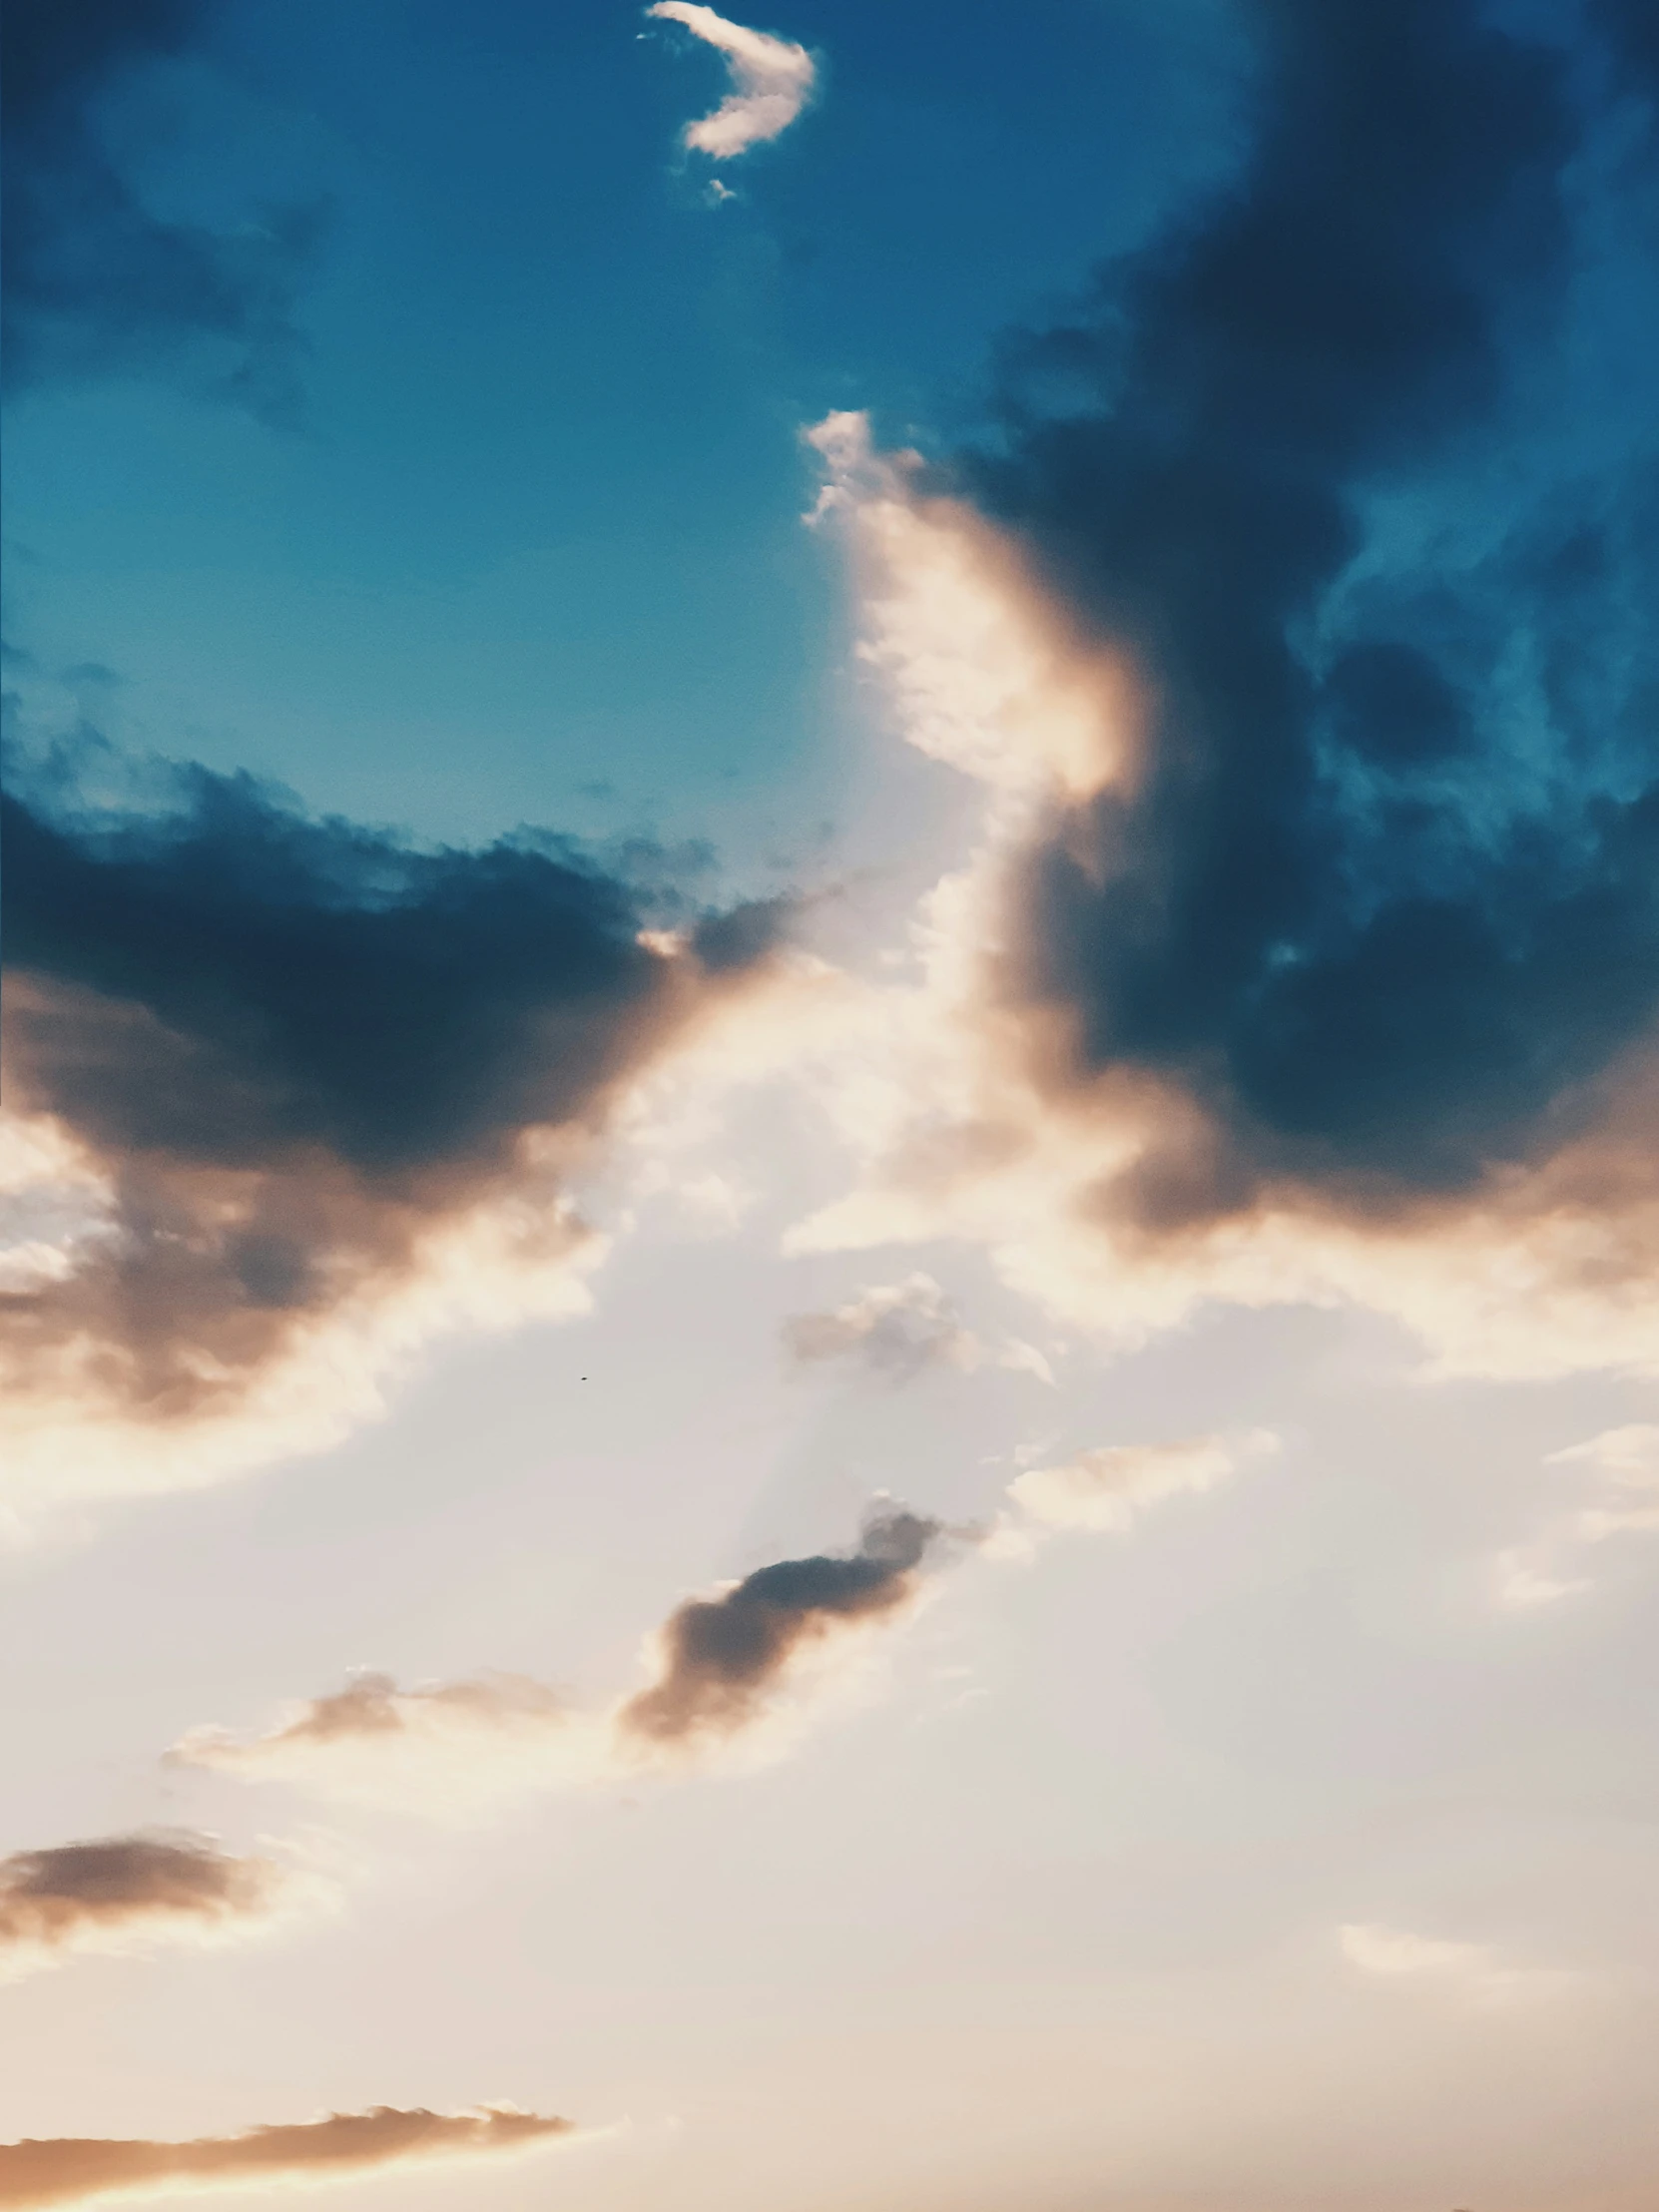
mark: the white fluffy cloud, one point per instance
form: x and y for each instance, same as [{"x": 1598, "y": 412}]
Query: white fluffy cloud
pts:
[{"x": 772, "y": 81}]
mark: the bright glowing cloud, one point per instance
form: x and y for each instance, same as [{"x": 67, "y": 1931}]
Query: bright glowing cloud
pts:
[
  {"x": 772, "y": 81},
  {"x": 1107, "y": 1491},
  {"x": 342, "y": 2146}
]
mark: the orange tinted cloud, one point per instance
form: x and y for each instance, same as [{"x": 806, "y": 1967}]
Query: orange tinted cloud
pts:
[{"x": 342, "y": 2147}]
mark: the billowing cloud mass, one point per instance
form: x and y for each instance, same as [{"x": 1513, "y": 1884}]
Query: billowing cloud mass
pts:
[
  {"x": 899, "y": 1330},
  {"x": 1108, "y": 1490},
  {"x": 127, "y": 1893},
  {"x": 340, "y": 2147},
  {"x": 772, "y": 81},
  {"x": 726, "y": 1673},
  {"x": 1312, "y": 947},
  {"x": 94, "y": 279},
  {"x": 287, "y": 1095}
]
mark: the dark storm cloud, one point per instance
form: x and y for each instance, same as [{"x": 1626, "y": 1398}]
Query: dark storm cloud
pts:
[
  {"x": 296, "y": 1047},
  {"x": 723, "y": 1655},
  {"x": 75, "y": 1895},
  {"x": 93, "y": 280},
  {"x": 1378, "y": 898},
  {"x": 71, "y": 2170}
]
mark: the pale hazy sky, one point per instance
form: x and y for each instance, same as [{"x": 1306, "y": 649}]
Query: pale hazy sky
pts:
[{"x": 832, "y": 1224}]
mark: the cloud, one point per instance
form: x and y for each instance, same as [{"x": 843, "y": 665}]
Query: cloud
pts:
[
  {"x": 722, "y": 1657},
  {"x": 899, "y": 1330},
  {"x": 1541, "y": 1572},
  {"x": 340, "y": 2147},
  {"x": 296, "y": 1095},
  {"x": 772, "y": 81},
  {"x": 1108, "y": 1490},
  {"x": 733, "y": 1672},
  {"x": 127, "y": 1893},
  {"x": 96, "y": 281},
  {"x": 1467, "y": 1972},
  {"x": 1309, "y": 949}
]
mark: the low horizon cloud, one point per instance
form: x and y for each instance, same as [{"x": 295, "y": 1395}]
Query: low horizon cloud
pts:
[
  {"x": 340, "y": 2147},
  {"x": 772, "y": 81},
  {"x": 132, "y": 1892}
]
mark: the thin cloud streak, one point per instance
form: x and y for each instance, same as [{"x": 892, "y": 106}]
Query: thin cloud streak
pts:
[
  {"x": 343, "y": 2146},
  {"x": 772, "y": 81}
]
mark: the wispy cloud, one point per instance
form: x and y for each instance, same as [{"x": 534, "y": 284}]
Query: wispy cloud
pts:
[
  {"x": 772, "y": 81},
  {"x": 899, "y": 1330},
  {"x": 1108, "y": 1490},
  {"x": 1625, "y": 1462},
  {"x": 343, "y": 2146},
  {"x": 130, "y": 1892}
]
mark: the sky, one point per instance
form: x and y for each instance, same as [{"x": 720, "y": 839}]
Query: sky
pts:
[{"x": 829, "y": 1200}]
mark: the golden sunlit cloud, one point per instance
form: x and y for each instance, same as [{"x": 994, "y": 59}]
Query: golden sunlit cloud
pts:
[
  {"x": 772, "y": 81},
  {"x": 343, "y": 2146}
]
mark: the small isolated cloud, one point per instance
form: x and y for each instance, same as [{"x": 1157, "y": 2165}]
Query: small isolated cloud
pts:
[
  {"x": 772, "y": 81},
  {"x": 721, "y": 1656},
  {"x": 1107, "y": 1491},
  {"x": 901, "y": 1330},
  {"x": 1626, "y": 1460},
  {"x": 723, "y": 1673},
  {"x": 127, "y": 1893},
  {"x": 342, "y": 2146},
  {"x": 1470, "y": 1974}
]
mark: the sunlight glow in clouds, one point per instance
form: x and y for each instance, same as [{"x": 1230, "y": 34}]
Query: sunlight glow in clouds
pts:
[
  {"x": 1467, "y": 1974},
  {"x": 124, "y": 1893},
  {"x": 342, "y": 2146},
  {"x": 772, "y": 81}
]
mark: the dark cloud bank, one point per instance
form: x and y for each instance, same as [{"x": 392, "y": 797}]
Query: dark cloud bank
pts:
[
  {"x": 1385, "y": 900},
  {"x": 298, "y": 1048},
  {"x": 721, "y": 1656}
]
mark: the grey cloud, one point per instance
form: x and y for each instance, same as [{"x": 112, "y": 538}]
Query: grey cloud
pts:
[
  {"x": 91, "y": 1894},
  {"x": 343, "y": 2145},
  {"x": 722, "y": 1655}
]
